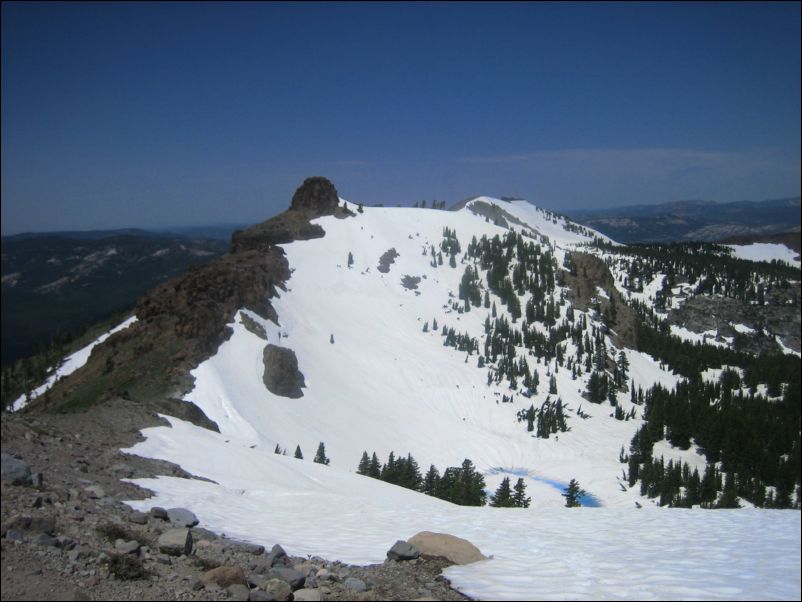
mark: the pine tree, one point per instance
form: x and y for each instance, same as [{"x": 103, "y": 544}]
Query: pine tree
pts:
[
  {"x": 431, "y": 481},
  {"x": 520, "y": 498},
  {"x": 375, "y": 467},
  {"x": 298, "y": 453},
  {"x": 279, "y": 451},
  {"x": 502, "y": 498},
  {"x": 364, "y": 465},
  {"x": 552, "y": 385},
  {"x": 320, "y": 455},
  {"x": 573, "y": 494},
  {"x": 350, "y": 259}
]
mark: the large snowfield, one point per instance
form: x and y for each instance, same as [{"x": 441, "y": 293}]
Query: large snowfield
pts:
[
  {"x": 766, "y": 251},
  {"x": 375, "y": 381}
]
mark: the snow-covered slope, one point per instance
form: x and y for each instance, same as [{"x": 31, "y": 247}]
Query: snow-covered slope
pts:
[
  {"x": 385, "y": 385},
  {"x": 765, "y": 251},
  {"x": 543, "y": 554},
  {"x": 376, "y": 380}
]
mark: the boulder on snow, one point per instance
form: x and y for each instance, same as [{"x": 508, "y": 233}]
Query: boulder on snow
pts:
[
  {"x": 181, "y": 517},
  {"x": 281, "y": 376},
  {"x": 455, "y": 549},
  {"x": 403, "y": 550}
]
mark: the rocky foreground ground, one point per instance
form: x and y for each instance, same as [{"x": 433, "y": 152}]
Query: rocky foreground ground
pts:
[{"x": 66, "y": 535}]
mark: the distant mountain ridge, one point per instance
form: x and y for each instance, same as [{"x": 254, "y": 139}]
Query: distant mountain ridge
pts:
[
  {"x": 216, "y": 231},
  {"x": 693, "y": 220}
]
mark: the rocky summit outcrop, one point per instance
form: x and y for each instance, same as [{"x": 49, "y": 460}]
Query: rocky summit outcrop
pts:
[
  {"x": 316, "y": 194},
  {"x": 316, "y": 197}
]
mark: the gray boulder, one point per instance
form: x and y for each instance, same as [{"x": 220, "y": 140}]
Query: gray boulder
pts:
[
  {"x": 127, "y": 547},
  {"x": 403, "y": 550},
  {"x": 307, "y": 595},
  {"x": 238, "y": 591},
  {"x": 294, "y": 578},
  {"x": 277, "y": 556},
  {"x": 14, "y": 471},
  {"x": 277, "y": 589},
  {"x": 181, "y": 517},
  {"x": 176, "y": 542},
  {"x": 355, "y": 585},
  {"x": 138, "y": 518}
]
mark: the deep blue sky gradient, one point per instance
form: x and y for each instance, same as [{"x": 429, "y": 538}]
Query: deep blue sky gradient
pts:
[{"x": 150, "y": 114}]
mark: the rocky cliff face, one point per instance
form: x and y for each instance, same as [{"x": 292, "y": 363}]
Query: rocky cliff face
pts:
[{"x": 183, "y": 321}]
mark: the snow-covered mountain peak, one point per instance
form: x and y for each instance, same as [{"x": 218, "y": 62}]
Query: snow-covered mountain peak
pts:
[{"x": 497, "y": 341}]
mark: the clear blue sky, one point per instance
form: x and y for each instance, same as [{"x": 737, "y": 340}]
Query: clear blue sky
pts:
[{"x": 148, "y": 114}]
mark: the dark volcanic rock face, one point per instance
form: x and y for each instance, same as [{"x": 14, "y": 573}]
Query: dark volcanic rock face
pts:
[
  {"x": 590, "y": 273},
  {"x": 316, "y": 194},
  {"x": 314, "y": 198},
  {"x": 282, "y": 376},
  {"x": 704, "y": 313}
]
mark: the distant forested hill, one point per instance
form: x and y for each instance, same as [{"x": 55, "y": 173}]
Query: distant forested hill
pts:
[
  {"x": 692, "y": 220},
  {"x": 54, "y": 285}
]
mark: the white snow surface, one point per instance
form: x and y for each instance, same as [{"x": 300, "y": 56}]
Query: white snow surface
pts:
[
  {"x": 766, "y": 251},
  {"x": 542, "y": 554},
  {"x": 70, "y": 364},
  {"x": 385, "y": 385}
]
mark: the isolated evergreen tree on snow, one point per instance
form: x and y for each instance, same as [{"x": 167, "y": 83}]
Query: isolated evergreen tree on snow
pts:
[
  {"x": 320, "y": 456},
  {"x": 298, "y": 453},
  {"x": 573, "y": 494}
]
